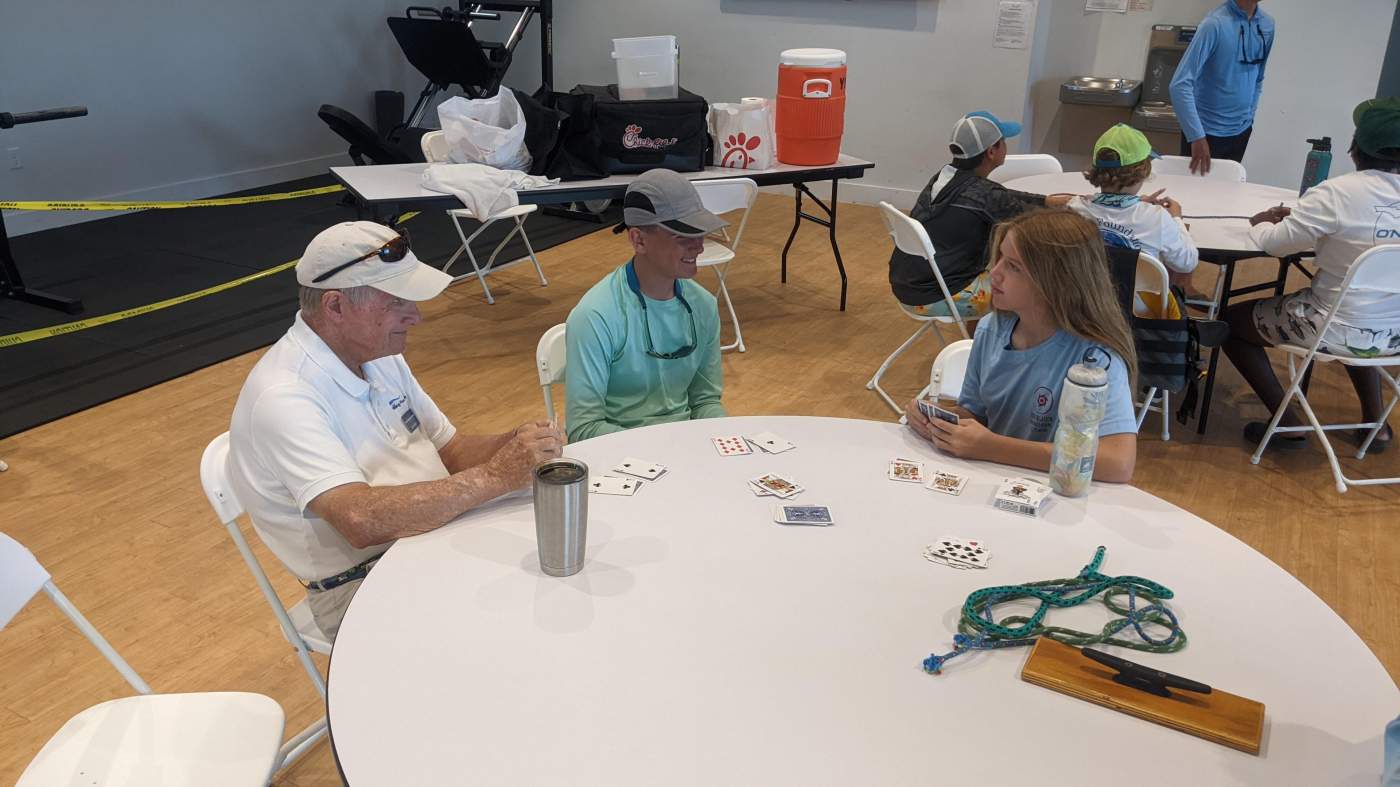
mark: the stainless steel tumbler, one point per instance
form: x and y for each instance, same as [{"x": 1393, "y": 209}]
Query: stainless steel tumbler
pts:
[{"x": 561, "y": 515}]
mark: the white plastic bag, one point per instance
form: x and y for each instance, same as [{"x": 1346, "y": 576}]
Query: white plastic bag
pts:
[
  {"x": 743, "y": 134},
  {"x": 488, "y": 131}
]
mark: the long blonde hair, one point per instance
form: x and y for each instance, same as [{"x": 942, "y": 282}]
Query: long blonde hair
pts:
[{"x": 1065, "y": 259}]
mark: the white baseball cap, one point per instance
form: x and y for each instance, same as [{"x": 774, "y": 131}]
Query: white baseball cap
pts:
[
  {"x": 975, "y": 132},
  {"x": 366, "y": 254}
]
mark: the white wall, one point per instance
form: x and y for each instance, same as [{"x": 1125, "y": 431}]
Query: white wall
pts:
[
  {"x": 915, "y": 66},
  {"x": 1323, "y": 64},
  {"x": 1122, "y": 38},
  {"x": 186, "y": 99}
]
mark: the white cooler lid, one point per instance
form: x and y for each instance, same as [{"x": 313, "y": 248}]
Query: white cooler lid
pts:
[{"x": 813, "y": 58}]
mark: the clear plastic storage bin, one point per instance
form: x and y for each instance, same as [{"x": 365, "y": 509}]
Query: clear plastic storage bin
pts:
[{"x": 647, "y": 68}]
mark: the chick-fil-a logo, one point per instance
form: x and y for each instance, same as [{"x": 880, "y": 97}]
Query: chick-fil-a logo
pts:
[
  {"x": 632, "y": 139},
  {"x": 736, "y": 151}
]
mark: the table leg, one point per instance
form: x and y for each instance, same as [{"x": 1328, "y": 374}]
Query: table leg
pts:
[
  {"x": 796, "y": 223},
  {"x": 1283, "y": 266},
  {"x": 835, "y": 249},
  {"x": 829, "y": 221},
  {"x": 1215, "y": 351}
]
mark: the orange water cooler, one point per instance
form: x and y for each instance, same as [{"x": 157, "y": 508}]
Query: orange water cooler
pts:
[{"x": 811, "y": 105}]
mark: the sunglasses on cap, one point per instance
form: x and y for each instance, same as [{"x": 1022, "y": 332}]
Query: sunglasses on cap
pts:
[{"x": 393, "y": 251}]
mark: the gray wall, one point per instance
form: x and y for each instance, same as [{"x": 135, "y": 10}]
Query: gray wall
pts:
[{"x": 186, "y": 99}]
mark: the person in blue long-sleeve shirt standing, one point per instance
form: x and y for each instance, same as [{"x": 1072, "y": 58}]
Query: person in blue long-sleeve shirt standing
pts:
[{"x": 1217, "y": 86}]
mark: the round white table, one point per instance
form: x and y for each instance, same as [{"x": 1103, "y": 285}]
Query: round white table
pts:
[
  {"x": 1199, "y": 197},
  {"x": 702, "y": 644}
]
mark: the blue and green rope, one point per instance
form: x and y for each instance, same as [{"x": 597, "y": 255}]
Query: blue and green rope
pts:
[{"x": 978, "y": 630}]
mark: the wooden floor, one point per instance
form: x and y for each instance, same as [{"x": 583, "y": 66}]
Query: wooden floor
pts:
[{"x": 110, "y": 501}]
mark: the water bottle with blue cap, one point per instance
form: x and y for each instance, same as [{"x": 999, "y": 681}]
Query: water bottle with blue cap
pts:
[{"x": 1083, "y": 400}]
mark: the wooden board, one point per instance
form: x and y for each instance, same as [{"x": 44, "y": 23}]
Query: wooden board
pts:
[{"x": 1219, "y": 716}]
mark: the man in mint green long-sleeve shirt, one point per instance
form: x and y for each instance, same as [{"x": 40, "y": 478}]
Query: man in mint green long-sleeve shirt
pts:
[{"x": 643, "y": 343}]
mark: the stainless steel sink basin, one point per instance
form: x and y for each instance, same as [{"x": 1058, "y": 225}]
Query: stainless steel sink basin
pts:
[
  {"x": 1156, "y": 116},
  {"x": 1101, "y": 91}
]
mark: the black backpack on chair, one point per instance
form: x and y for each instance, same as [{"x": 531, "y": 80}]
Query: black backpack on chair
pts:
[{"x": 1169, "y": 351}]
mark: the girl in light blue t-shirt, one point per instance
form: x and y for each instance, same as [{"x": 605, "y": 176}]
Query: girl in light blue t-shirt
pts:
[{"x": 1053, "y": 300}]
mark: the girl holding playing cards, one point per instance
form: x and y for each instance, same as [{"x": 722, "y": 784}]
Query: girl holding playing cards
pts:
[{"x": 1052, "y": 300}]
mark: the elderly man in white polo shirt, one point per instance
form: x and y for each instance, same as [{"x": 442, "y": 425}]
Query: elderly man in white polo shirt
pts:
[{"x": 335, "y": 450}]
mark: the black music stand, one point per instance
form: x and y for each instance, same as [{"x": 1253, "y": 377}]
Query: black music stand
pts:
[
  {"x": 11, "y": 282},
  {"x": 440, "y": 43}
]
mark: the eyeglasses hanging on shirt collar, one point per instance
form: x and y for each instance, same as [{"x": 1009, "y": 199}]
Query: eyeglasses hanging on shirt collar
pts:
[
  {"x": 1263, "y": 52},
  {"x": 393, "y": 251},
  {"x": 676, "y": 354}
]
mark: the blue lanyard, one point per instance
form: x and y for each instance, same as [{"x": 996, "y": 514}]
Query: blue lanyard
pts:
[
  {"x": 680, "y": 352},
  {"x": 636, "y": 287},
  {"x": 1116, "y": 200}
]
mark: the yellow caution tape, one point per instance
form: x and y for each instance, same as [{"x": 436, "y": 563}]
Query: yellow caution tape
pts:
[
  {"x": 92, "y": 322},
  {"x": 35, "y": 335},
  {"x": 199, "y": 203}
]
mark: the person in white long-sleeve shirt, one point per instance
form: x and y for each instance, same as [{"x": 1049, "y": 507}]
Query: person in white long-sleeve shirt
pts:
[{"x": 1339, "y": 218}]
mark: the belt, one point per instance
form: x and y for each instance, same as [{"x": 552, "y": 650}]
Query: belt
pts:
[{"x": 349, "y": 575}]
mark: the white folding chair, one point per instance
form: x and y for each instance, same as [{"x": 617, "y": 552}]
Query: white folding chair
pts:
[
  {"x": 210, "y": 738},
  {"x": 1024, "y": 165},
  {"x": 1375, "y": 271},
  {"x": 1220, "y": 168},
  {"x": 434, "y": 145},
  {"x": 945, "y": 379},
  {"x": 911, "y": 238},
  {"x": 550, "y": 357},
  {"x": 298, "y": 626},
  {"x": 1152, "y": 278},
  {"x": 724, "y": 196}
]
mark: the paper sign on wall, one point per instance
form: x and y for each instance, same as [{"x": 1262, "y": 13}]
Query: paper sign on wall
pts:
[
  {"x": 1015, "y": 19},
  {"x": 1116, "y": 6},
  {"x": 1139, "y": 5}
]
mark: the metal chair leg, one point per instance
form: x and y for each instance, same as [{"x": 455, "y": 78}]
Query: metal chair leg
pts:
[
  {"x": 734, "y": 318},
  {"x": 874, "y": 384},
  {"x": 520, "y": 222}
]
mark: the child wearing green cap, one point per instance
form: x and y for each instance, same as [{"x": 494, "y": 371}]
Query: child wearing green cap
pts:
[
  {"x": 1338, "y": 219},
  {"x": 1151, "y": 224}
]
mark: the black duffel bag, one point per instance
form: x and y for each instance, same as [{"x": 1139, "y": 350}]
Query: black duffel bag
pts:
[
  {"x": 561, "y": 136},
  {"x": 635, "y": 136}
]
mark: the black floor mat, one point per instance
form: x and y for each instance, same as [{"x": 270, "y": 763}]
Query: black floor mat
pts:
[{"x": 140, "y": 258}]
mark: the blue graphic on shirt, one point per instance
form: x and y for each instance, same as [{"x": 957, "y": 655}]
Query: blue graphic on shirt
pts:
[{"x": 1388, "y": 223}]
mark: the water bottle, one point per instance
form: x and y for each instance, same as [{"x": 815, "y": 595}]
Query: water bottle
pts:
[
  {"x": 1318, "y": 165},
  {"x": 1083, "y": 399}
]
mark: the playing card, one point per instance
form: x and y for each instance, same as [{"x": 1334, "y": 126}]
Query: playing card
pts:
[
  {"x": 758, "y": 490},
  {"x": 731, "y": 446},
  {"x": 802, "y": 515},
  {"x": 636, "y": 467},
  {"x": 1021, "y": 496},
  {"x": 945, "y": 415},
  {"x": 778, "y": 485},
  {"x": 612, "y": 485},
  {"x": 933, "y": 558},
  {"x": 931, "y": 410},
  {"x": 926, "y": 407},
  {"x": 947, "y": 483},
  {"x": 770, "y": 442},
  {"x": 955, "y": 550},
  {"x": 906, "y": 470}
]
